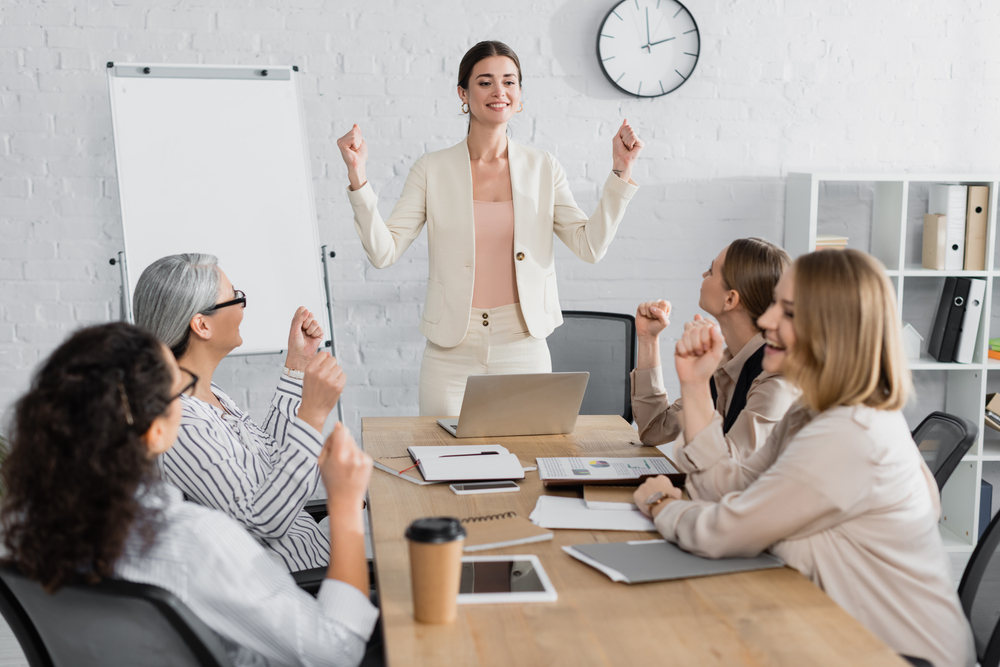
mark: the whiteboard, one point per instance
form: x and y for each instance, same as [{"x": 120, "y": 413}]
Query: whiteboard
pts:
[{"x": 214, "y": 159}]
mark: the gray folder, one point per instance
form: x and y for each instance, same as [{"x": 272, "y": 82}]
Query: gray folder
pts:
[{"x": 658, "y": 561}]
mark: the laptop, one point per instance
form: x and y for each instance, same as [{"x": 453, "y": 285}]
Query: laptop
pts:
[{"x": 524, "y": 404}]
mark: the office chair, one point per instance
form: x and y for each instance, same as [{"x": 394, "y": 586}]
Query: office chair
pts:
[
  {"x": 605, "y": 345},
  {"x": 943, "y": 440},
  {"x": 111, "y": 623},
  {"x": 980, "y": 595}
]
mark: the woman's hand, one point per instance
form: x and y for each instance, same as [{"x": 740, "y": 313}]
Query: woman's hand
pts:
[
  {"x": 354, "y": 150},
  {"x": 698, "y": 352},
  {"x": 345, "y": 470},
  {"x": 321, "y": 389},
  {"x": 304, "y": 338},
  {"x": 625, "y": 149},
  {"x": 651, "y": 318},
  {"x": 649, "y": 487}
]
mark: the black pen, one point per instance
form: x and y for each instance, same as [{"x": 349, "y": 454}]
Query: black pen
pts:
[{"x": 448, "y": 456}]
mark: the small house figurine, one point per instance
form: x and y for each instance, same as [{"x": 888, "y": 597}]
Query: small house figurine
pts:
[{"x": 911, "y": 342}]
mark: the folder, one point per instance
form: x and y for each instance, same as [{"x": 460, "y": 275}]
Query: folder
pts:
[
  {"x": 951, "y": 200},
  {"x": 935, "y": 234},
  {"x": 659, "y": 560},
  {"x": 969, "y": 331},
  {"x": 975, "y": 228},
  {"x": 948, "y": 321}
]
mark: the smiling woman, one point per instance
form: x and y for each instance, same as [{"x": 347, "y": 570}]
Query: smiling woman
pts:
[
  {"x": 839, "y": 491},
  {"x": 491, "y": 207}
]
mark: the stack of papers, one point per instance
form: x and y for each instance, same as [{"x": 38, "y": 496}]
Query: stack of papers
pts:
[{"x": 558, "y": 512}]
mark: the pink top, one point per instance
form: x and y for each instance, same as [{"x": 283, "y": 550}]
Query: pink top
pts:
[{"x": 494, "y": 284}]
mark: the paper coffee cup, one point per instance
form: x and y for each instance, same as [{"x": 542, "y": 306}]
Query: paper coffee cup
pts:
[{"x": 435, "y": 567}]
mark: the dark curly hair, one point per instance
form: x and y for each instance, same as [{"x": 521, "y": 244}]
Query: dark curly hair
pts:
[{"x": 78, "y": 465}]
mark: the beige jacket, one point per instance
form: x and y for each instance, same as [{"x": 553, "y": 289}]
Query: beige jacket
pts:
[
  {"x": 438, "y": 192},
  {"x": 660, "y": 421},
  {"x": 845, "y": 498}
]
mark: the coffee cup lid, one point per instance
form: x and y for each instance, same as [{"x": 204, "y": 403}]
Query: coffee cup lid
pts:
[{"x": 434, "y": 530}]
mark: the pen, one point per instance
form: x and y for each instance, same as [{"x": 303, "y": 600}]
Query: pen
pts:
[{"x": 448, "y": 456}]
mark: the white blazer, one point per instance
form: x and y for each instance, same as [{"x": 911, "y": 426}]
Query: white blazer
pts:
[{"x": 438, "y": 191}]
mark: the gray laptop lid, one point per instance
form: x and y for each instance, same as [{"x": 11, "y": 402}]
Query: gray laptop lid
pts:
[{"x": 524, "y": 404}]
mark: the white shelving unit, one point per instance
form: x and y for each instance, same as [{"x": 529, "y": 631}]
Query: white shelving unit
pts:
[{"x": 896, "y": 243}]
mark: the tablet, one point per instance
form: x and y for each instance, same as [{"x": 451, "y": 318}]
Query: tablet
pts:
[{"x": 499, "y": 579}]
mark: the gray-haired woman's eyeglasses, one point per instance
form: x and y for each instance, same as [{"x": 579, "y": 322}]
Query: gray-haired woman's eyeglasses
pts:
[{"x": 241, "y": 298}]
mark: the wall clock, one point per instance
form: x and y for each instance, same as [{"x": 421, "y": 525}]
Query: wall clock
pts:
[{"x": 648, "y": 48}]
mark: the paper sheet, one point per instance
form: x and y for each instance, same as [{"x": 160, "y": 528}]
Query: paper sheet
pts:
[{"x": 558, "y": 512}]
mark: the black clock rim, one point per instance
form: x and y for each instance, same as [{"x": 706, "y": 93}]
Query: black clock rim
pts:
[{"x": 597, "y": 49}]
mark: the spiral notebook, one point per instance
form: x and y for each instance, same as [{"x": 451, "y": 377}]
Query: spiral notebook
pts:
[{"x": 494, "y": 531}]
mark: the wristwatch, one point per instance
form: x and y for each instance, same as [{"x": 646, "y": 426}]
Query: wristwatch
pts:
[{"x": 655, "y": 499}]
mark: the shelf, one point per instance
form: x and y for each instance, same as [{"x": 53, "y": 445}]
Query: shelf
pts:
[
  {"x": 917, "y": 272},
  {"x": 928, "y": 363},
  {"x": 899, "y": 177},
  {"x": 953, "y": 542}
]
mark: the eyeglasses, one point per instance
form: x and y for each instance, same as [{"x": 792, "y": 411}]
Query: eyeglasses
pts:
[
  {"x": 241, "y": 298},
  {"x": 188, "y": 388}
]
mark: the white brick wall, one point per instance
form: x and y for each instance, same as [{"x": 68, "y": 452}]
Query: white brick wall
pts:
[{"x": 782, "y": 85}]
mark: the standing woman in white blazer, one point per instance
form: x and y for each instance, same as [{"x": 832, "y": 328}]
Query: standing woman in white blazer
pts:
[{"x": 491, "y": 206}]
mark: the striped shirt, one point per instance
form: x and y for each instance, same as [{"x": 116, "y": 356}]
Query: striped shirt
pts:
[
  {"x": 208, "y": 561},
  {"x": 260, "y": 477}
]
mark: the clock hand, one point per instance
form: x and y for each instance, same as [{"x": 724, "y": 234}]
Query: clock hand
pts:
[
  {"x": 647, "y": 30},
  {"x": 661, "y": 41}
]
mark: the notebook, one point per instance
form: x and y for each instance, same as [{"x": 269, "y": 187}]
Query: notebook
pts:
[
  {"x": 452, "y": 463},
  {"x": 395, "y": 465},
  {"x": 494, "y": 531},
  {"x": 658, "y": 560}
]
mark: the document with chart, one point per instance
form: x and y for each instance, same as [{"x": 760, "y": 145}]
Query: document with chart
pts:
[{"x": 577, "y": 471}]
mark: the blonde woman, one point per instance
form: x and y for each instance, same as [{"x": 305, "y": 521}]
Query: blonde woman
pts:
[
  {"x": 491, "y": 206},
  {"x": 839, "y": 490},
  {"x": 736, "y": 290}
]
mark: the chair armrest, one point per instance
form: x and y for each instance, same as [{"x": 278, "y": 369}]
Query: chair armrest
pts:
[
  {"x": 310, "y": 580},
  {"x": 316, "y": 509},
  {"x": 916, "y": 662}
]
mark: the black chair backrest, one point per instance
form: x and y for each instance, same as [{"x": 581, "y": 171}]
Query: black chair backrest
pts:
[
  {"x": 943, "y": 440},
  {"x": 112, "y": 623},
  {"x": 980, "y": 595},
  {"x": 603, "y": 344}
]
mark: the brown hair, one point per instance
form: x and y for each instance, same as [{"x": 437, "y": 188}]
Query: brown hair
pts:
[
  {"x": 753, "y": 267},
  {"x": 482, "y": 51},
  {"x": 848, "y": 347},
  {"x": 78, "y": 466}
]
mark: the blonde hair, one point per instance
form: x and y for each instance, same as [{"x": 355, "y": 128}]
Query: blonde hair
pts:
[
  {"x": 753, "y": 267},
  {"x": 848, "y": 348}
]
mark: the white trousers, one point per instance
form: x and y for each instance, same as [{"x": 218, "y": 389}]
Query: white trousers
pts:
[{"x": 497, "y": 343}]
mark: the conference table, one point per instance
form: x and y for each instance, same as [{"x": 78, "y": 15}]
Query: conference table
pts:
[{"x": 771, "y": 617}]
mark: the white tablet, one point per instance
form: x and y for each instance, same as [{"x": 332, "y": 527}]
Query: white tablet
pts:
[{"x": 498, "y": 579}]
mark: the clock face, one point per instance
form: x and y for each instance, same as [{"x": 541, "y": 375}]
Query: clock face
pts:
[{"x": 648, "y": 48}]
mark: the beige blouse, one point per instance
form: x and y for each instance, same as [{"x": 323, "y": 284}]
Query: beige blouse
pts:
[
  {"x": 845, "y": 498},
  {"x": 494, "y": 284},
  {"x": 660, "y": 422}
]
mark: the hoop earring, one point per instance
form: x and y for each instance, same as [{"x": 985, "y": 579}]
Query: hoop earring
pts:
[
  {"x": 465, "y": 107},
  {"x": 521, "y": 109}
]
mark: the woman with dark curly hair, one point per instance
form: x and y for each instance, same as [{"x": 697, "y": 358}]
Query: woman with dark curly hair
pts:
[{"x": 84, "y": 502}]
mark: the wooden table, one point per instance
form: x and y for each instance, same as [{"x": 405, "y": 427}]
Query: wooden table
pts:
[{"x": 772, "y": 617}]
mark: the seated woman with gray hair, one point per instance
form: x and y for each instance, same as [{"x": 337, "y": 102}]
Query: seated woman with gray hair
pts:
[{"x": 261, "y": 476}]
